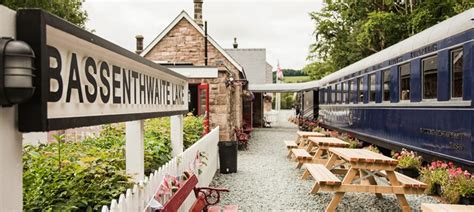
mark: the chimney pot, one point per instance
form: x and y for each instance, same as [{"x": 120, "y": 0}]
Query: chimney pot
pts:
[
  {"x": 139, "y": 44},
  {"x": 198, "y": 12},
  {"x": 235, "y": 43}
]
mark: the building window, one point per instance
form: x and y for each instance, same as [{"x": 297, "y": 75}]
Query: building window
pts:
[
  {"x": 344, "y": 92},
  {"x": 456, "y": 73},
  {"x": 372, "y": 87},
  {"x": 386, "y": 75},
  {"x": 404, "y": 73},
  {"x": 353, "y": 91},
  {"x": 430, "y": 77},
  {"x": 360, "y": 90}
]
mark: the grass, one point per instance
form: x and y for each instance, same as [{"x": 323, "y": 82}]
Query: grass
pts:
[{"x": 295, "y": 79}]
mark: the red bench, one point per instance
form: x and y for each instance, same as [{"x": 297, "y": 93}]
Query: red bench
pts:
[
  {"x": 242, "y": 137},
  {"x": 206, "y": 198}
]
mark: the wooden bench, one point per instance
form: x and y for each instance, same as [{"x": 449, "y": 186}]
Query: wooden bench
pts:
[
  {"x": 290, "y": 145},
  {"x": 321, "y": 175},
  {"x": 409, "y": 183},
  {"x": 425, "y": 207},
  {"x": 302, "y": 156},
  {"x": 206, "y": 198}
]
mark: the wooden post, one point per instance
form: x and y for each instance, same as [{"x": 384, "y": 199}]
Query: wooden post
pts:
[
  {"x": 177, "y": 134},
  {"x": 11, "y": 166},
  {"x": 134, "y": 149}
]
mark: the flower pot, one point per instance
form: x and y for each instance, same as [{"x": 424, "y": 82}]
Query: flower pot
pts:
[
  {"x": 437, "y": 189},
  {"x": 410, "y": 172},
  {"x": 466, "y": 200}
]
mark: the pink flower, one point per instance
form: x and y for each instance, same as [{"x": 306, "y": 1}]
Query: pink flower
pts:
[{"x": 444, "y": 165}]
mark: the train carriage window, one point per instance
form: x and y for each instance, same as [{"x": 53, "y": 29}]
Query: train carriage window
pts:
[
  {"x": 386, "y": 84},
  {"x": 353, "y": 91},
  {"x": 344, "y": 92},
  {"x": 430, "y": 77},
  {"x": 333, "y": 94},
  {"x": 338, "y": 93},
  {"x": 372, "y": 87},
  {"x": 456, "y": 73},
  {"x": 404, "y": 73},
  {"x": 360, "y": 90}
]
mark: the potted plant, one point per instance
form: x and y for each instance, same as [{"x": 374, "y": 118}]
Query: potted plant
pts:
[
  {"x": 372, "y": 148},
  {"x": 408, "y": 163},
  {"x": 460, "y": 187},
  {"x": 436, "y": 176}
]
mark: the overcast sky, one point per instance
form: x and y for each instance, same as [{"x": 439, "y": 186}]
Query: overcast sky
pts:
[{"x": 283, "y": 27}]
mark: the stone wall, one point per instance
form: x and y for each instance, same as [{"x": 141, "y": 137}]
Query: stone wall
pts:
[{"x": 184, "y": 43}]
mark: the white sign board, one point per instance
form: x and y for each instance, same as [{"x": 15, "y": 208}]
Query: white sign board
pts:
[{"x": 82, "y": 79}]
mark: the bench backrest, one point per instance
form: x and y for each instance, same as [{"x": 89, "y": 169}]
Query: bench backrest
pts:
[{"x": 180, "y": 196}]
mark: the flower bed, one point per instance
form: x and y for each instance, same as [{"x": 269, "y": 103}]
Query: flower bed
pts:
[{"x": 65, "y": 176}]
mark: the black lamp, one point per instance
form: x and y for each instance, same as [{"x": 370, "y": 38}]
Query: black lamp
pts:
[{"x": 16, "y": 72}]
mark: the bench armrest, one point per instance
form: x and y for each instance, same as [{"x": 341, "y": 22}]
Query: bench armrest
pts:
[{"x": 210, "y": 195}]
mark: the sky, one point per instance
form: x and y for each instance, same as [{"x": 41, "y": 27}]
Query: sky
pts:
[{"x": 283, "y": 27}]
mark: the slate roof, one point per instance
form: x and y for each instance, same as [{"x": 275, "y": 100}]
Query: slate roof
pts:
[{"x": 254, "y": 63}]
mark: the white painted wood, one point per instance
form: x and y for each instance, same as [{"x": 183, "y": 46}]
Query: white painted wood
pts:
[
  {"x": 196, "y": 72},
  {"x": 144, "y": 190},
  {"x": 11, "y": 167},
  {"x": 134, "y": 150},
  {"x": 177, "y": 128}
]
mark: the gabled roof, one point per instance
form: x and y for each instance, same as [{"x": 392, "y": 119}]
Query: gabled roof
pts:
[
  {"x": 186, "y": 16},
  {"x": 253, "y": 61}
]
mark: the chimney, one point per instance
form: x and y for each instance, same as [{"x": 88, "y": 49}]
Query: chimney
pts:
[
  {"x": 139, "y": 44},
  {"x": 235, "y": 43},
  {"x": 198, "y": 12}
]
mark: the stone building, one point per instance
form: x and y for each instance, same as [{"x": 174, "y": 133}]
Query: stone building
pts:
[
  {"x": 185, "y": 42},
  {"x": 258, "y": 71}
]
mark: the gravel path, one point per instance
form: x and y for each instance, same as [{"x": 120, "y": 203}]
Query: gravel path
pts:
[{"x": 266, "y": 180}]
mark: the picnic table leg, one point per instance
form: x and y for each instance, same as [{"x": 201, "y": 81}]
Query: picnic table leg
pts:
[
  {"x": 369, "y": 181},
  {"x": 331, "y": 161},
  {"x": 400, "y": 197},
  {"x": 310, "y": 147},
  {"x": 338, "y": 195},
  {"x": 305, "y": 175}
]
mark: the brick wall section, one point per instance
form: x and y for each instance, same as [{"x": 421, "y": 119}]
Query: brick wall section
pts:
[{"x": 184, "y": 43}]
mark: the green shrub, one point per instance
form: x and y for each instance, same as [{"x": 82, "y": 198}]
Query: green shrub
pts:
[{"x": 85, "y": 175}]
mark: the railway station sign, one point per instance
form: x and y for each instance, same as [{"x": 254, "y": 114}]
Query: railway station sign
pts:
[{"x": 82, "y": 79}]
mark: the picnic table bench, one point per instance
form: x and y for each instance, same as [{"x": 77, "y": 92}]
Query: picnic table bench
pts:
[
  {"x": 426, "y": 207},
  {"x": 364, "y": 166},
  {"x": 301, "y": 140},
  {"x": 320, "y": 145},
  {"x": 206, "y": 198}
]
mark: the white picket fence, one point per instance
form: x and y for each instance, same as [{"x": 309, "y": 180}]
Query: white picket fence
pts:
[{"x": 137, "y": 198}]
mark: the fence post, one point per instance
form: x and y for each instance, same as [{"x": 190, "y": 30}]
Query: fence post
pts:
[
  {"x": 177, "y": 134},
  {"x": 134, "y": 149}
]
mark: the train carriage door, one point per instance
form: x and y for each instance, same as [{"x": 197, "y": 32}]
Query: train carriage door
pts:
[{"x": 203, "y": 104}]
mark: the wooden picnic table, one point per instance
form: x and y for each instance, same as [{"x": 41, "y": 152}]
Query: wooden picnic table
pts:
[
  {"x": 427, "y": 207},
  {"x": 301, "y": 140},
  {"x": 364, "y": 166},
  {"x": 321, "y": 145}
]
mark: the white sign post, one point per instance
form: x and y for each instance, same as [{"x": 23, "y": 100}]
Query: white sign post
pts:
[
  {"x": 11, "y": 166},
  {"x": 177, "y": 129},
  {"x": 134, "y": 149}
]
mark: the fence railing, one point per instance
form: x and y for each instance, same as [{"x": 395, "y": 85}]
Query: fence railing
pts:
[{"x": 137, "y": 198}]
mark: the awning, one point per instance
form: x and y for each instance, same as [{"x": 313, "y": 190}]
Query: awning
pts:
[{"x": 284, "y": 87}]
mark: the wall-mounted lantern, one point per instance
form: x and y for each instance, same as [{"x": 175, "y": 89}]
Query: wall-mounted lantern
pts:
[{"x": 16, "y": 72}]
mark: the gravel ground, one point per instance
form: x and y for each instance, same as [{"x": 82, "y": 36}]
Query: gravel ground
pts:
[{"x": 267, "y": 181}]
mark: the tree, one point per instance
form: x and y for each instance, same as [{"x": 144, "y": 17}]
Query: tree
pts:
[
  {"x": 70, "y": 10},
  {"x": 349, "y": 30}
]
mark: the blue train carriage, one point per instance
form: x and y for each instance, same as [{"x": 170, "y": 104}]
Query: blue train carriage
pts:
[{"x": 415, "y": 94}]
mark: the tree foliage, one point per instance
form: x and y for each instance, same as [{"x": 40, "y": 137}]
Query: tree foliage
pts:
[
  {"x": 70, "y": 10},
  {"x": 349, "y": 30}
]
